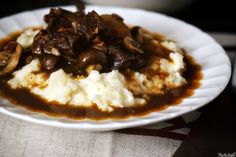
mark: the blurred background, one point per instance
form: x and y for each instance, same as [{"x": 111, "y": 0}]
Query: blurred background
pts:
[{"x": 209, "y": 15}]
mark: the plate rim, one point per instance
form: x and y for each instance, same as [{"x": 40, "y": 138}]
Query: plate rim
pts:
[{"x": 116, "y": 124}]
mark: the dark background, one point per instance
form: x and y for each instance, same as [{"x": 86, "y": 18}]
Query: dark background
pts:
[{"x": 213, "y": 15}]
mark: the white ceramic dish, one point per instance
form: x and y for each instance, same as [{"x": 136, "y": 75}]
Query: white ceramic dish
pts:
[{"x": 215, "y": 64}]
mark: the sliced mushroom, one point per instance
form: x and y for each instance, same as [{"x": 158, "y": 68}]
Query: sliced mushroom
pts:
[
  {"x": 137, "y": 34},
  {"x": 116, "y": 25},
  {"x": 9, "y": 60},
  {"x": 48, "y": 61},
  {"x": 91, "y": 57},
  {"x": 10, "y": 47},
  {"x": 4, "y": 58},
  {"x": 131, "y": 45}
]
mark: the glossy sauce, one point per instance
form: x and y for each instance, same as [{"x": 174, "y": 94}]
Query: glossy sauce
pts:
[{"x": 22, "y": 97}]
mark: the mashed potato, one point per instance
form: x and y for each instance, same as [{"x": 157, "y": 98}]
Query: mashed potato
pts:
[
  {"x": 174, "y": 69},
  {"x": 176, "y": 63},
  {"x": 157, "y": 84},
  {"x": 170, "y": 45},
  {"x": 27, "y": 37},
  {"x": 107, "y": 90}
]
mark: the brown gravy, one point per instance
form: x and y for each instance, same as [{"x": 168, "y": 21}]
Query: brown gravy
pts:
[{"x": 22, "y": 97}]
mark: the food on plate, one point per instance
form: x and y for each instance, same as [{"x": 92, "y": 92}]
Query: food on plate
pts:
[{"x": 86, "y": 65}]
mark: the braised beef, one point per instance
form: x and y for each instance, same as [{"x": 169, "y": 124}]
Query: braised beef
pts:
[
  {"x": 119, "y": 58},
  {"x": 60, "y": 19},
  {"x": 82, "y": 39},
  {"x": 94, "y": 25},
  {"x": 69, "y": 43},
  {"x": 69, "y": 32},
  {"x": 40, "y": 40},
  {"x": 139, "y": 62},
  {"x": 117, "y": 27}
]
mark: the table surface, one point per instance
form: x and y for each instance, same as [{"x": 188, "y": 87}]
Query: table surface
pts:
[{"x": 215, "y": 131}]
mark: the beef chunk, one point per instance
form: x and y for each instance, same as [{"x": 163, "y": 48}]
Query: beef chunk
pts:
[
  {"x": 59, "y": 19},
  {"x": 40, "y": 40},
  {"x": 94, "y": 24},
  {"x": 69, "y": 43},
  {"x": 77, "y": 36},
  {"x": 117, "y": 27},
  {"x": 119, "y": 58},
  {"x": 68, "y": 32}
]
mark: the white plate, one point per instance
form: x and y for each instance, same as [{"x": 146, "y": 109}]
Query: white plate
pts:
[{"x": 215, "y": 64}]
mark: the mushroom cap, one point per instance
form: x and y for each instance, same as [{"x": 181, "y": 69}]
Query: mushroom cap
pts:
[
  {"x": 131, "y": 45},
  {"x": 90, "y": 57},
  {"x": 13, "y": 60}
]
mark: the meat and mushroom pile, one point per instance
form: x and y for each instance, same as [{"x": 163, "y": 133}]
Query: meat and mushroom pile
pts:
[{"x": 76, "y": 41}]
